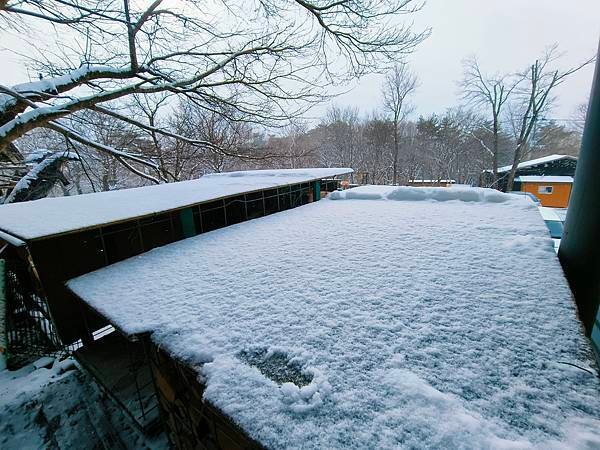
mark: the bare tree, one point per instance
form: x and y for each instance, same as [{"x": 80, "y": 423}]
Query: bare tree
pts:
[
  {"x": 231, "y": 139},
  {"x": 578, "y": 117},
  {"x": 295, "y": 145},
  {"x": 398, "y": 85},
  {"x": 340, "y": 135},
  {"x": 535, "y": 99},
  {"x": 265, "y": 59},
  {"x": 378, "y": 137},
  {"x": 489, "y": 93}
]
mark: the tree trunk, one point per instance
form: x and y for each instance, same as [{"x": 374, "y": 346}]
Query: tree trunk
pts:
[
  {"x": 495, "y": 151},
  {"x": 395, "y": 167},
  {"x": 513, "y": 169}
]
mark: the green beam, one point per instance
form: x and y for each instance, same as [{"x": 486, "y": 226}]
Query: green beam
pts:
[
  {"x": 187, "y": 222},
  {"x": 317, "y": 191}
]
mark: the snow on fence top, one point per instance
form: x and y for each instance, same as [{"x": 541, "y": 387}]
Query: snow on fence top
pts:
[
  {"x": 535, "y": 162},
  {"x": 48, "y": 216},
  {"x": 544, "y": 179},
  {"x": 419, "y": 317}
]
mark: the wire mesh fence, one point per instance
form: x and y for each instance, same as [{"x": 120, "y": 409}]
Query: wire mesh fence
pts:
[{"x": 30, "y": 333}]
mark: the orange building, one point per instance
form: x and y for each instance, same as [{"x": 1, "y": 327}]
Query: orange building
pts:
[{"x": 552, "y": 191}]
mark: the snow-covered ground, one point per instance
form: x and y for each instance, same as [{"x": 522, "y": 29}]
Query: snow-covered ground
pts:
[
  {"x": 60, "y": 407},
  {"x": 423, "y": 318}
]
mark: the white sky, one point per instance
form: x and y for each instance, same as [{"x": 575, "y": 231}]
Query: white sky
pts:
[{"x": 505, "y": 35}]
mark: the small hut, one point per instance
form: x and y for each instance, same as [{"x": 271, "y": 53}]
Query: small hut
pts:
[
  {"x": 546, "y": 166},
  {"x": 552, "y": 190}
]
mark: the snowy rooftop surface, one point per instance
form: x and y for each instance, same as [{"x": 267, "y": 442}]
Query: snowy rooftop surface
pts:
[
  {"x": 423, "y": 318},
  {"x": 535, "y": 162},
  {"x": 48, "y": 216},
  {"x": 432, "y": 181},
  {"x": 544, "y": 179}
]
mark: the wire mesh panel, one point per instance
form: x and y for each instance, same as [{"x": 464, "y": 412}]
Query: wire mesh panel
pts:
[
  {"x": 29, "y": 330},
  {"x": 122, "y": 369}
]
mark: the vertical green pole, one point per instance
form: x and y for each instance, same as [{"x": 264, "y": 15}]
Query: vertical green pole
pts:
[
  {"x": 317, "y": 191},
  {"x": 579, "y": 251},
  {"x": 596, "y": 336},
  {"x": 187, "y": 222},
  {"x": 3, "y": 341}
]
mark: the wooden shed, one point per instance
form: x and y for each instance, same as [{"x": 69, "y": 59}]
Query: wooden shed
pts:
[
  {"x": 46, "y": 242},
  {"x": 551, "y": 165},
  {"x": 553, "y": 190}
]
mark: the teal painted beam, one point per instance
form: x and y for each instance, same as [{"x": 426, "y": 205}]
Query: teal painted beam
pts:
[{"x": 187, "y": 222}]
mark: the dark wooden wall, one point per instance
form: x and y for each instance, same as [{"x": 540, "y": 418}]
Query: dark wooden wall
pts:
[{"x": 191, "y": 422}]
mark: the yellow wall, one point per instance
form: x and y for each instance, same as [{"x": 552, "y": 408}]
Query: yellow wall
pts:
[{"x": 559, "y": 198}]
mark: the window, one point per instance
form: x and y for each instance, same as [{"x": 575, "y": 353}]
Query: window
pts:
[
  {"x": 545, "y": 189},
  {"x": 212, "y": 215},
  {"x": 284, "y": 198},
  {"x": 122, "y": 241},
  {"x": 255, "y": 206},
  {"x": 235, "y": 209},
  {"x": 80, "y": 252},
  {"x": 157, "y": 231},
  {"x": 271, "y": 201}
]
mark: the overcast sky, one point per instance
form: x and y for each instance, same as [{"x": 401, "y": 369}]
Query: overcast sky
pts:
[{"x": 506, "y": 36}]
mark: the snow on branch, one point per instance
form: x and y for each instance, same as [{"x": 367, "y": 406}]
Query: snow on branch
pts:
[
  {"x": 45, "y": 88},
  {"x": 40, "y": 179}
]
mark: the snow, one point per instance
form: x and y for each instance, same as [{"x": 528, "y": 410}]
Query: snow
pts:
[
  {"x": 56, "y": 84},
  {"x": 11, "y": 239},
  {"x": 35, "y": 172},
  {"x": 432, "y": 181},
  {"x": 61, "y": 408},
  {"x": 535, "y": 162},
  {"x": 48, "y": 216},
  {"x": 423, "y": 318},
  {"x": 549, "y": 213},
  {"x": 544, "y": 179}
]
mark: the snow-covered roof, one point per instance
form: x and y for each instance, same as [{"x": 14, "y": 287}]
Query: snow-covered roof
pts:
[
  {"x": 544, "y": 179},
  {"x": 549, "y": 213},
  {"x": 432, "y": 181},
  {"x": 535, "y": 162},
  {"x": 426, "y": 317},
  {"x": 49, "y": 216}
]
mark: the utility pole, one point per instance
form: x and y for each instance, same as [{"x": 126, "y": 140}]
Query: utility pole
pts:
[{"x": 579, "y": 251}]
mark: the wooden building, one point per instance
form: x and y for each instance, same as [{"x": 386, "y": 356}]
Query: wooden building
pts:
[
  {"x": 46, "y": 242},
  {"x": 552, "y": 165},
  {"x": 553, "y": 190}
]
